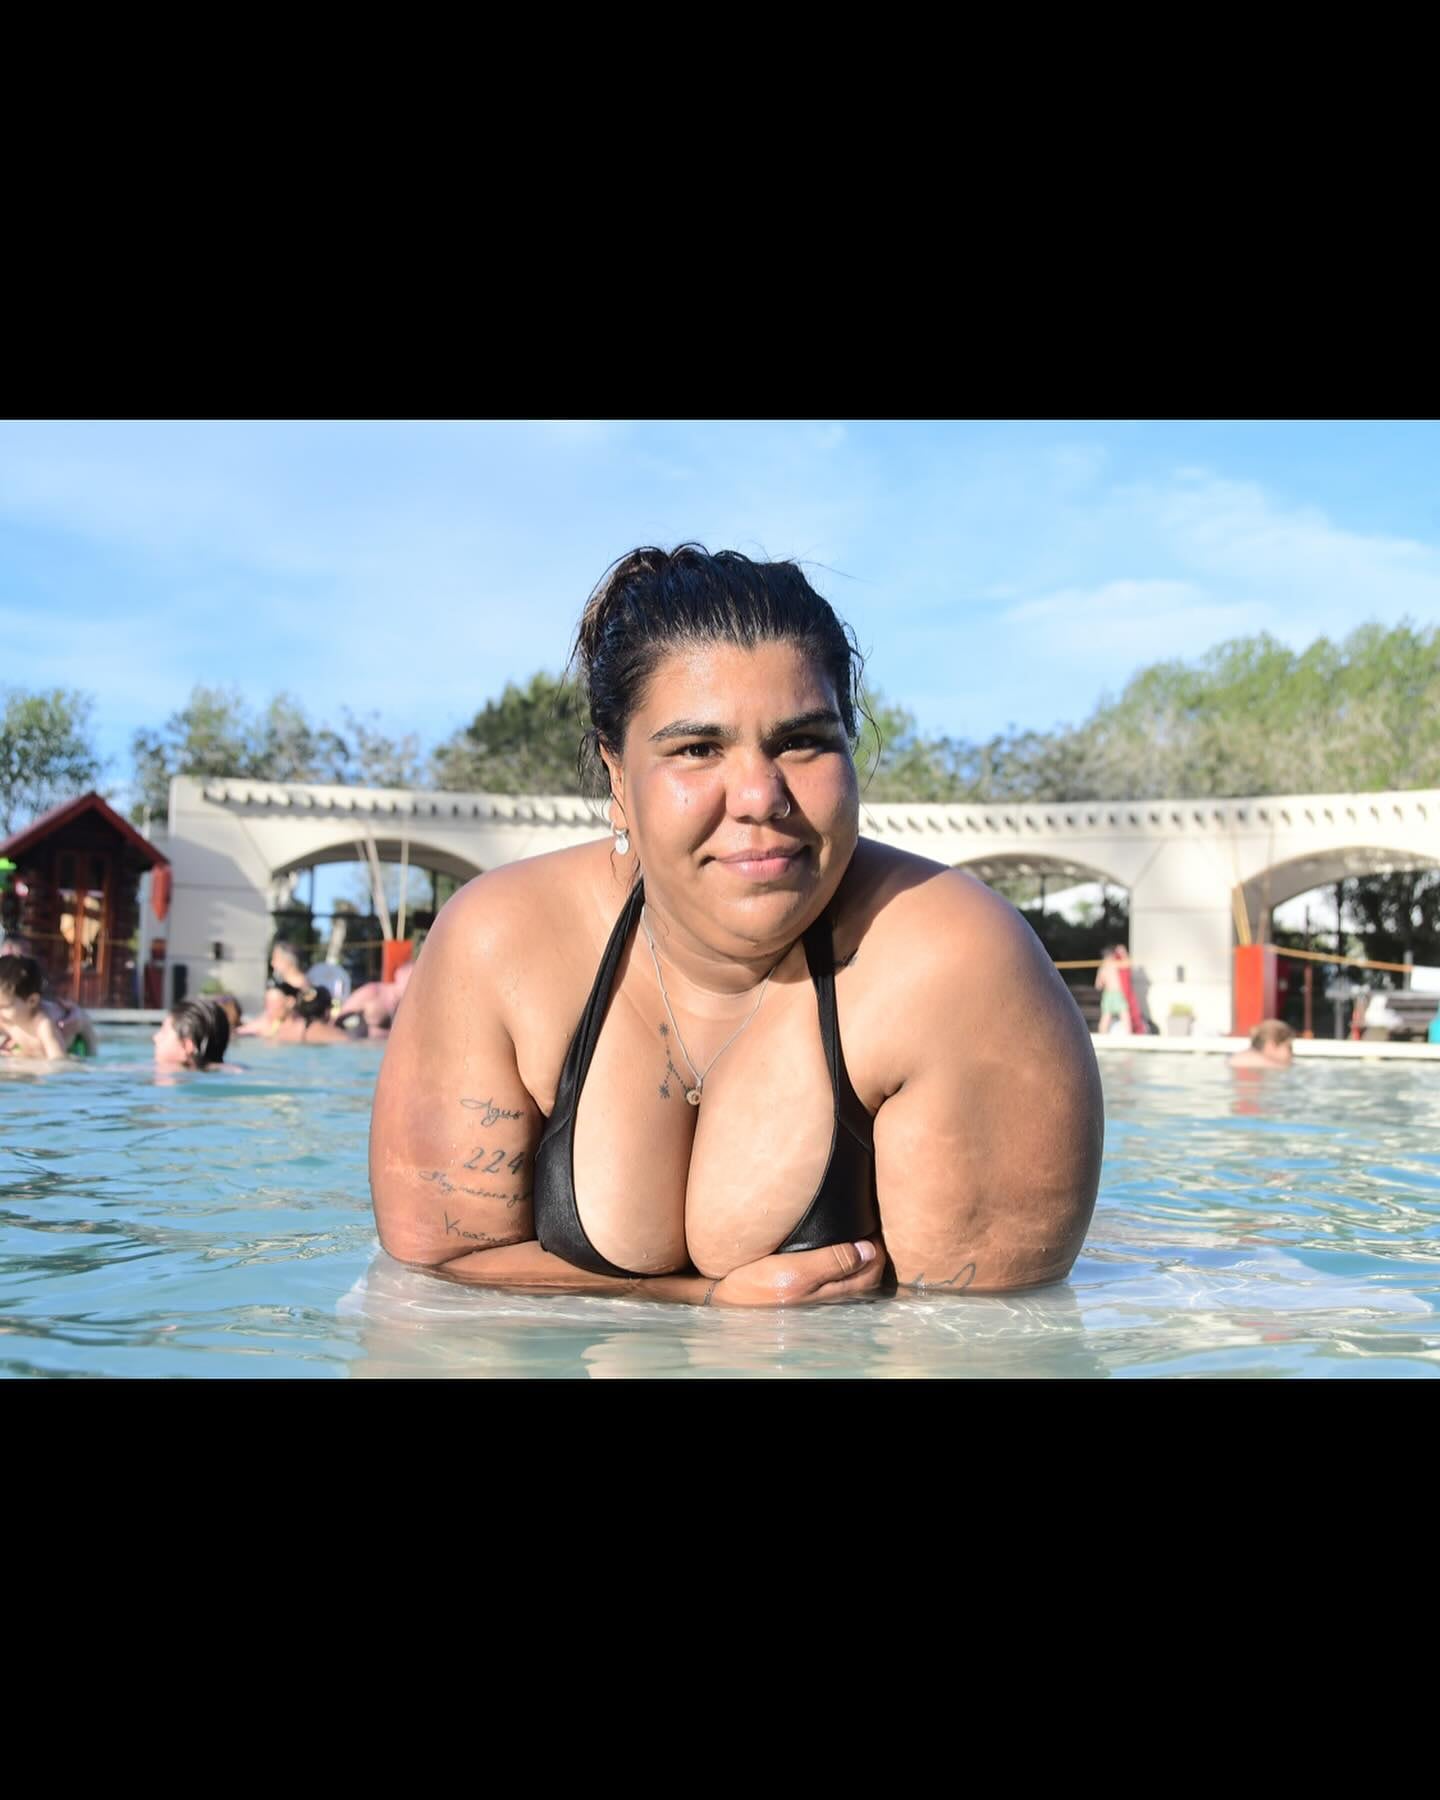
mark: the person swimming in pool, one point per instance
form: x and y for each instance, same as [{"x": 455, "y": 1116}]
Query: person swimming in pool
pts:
[
  {"x": 289, "y": 1019},
  {"x": 738, "y": 1055},
  {"x": 28, "y": 1028},
  {"x": 1272, "y": 1046},
  {"x": 73, "y": 1025},
  {"x": 373, "y": 1006},
  {"x": 193, "y": 1035}
]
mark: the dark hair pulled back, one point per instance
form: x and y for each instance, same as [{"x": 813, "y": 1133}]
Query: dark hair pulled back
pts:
[
  {"x": 202, "y": 1024},
  {"x": 653, "y": 602}
]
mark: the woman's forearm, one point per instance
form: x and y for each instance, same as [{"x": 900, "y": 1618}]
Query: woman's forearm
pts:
[{"x": 526, "y": 1265}]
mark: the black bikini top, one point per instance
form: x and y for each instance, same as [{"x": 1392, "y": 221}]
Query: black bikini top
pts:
[{"x": 844, "y": 1207}]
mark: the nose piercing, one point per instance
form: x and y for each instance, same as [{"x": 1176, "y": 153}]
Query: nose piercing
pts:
[{"x": 786, "y": 813}]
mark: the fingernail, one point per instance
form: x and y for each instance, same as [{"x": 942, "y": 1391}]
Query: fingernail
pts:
[{"x": 866, "y": 1251}]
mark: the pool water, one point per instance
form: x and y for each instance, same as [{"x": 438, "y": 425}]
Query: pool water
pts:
[{"x": 1265, "y": 1223}]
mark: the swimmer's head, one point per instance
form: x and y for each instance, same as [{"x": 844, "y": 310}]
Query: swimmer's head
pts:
[
  {"x": 315, "y": 1006},
  {"x": 195, "y": 1034},
  {"x": 19, "y": 987},
  {"x": 1274, "y": 1040}
]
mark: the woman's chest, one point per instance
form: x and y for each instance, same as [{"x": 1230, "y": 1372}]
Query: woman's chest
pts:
[{"x": 661, "y": 1183}]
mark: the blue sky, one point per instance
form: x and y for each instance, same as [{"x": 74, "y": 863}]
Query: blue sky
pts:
[{"x": 996, "y": 572}]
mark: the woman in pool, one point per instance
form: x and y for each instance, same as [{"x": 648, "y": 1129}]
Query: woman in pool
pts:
[
  {"x": 738, "y": 1055},
  {"x": 194, "y": 1035}
]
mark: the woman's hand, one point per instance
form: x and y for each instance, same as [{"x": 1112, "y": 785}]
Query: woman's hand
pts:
[{"x": 805, "y": 1277}]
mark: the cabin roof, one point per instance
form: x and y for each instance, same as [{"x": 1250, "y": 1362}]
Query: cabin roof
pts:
[{"x": 19, "y": 842}]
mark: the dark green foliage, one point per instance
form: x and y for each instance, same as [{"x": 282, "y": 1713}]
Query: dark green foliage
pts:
[{"x": 526, "y": 742}]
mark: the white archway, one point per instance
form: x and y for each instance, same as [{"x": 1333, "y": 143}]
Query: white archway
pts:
[{"x": 1181, "y": 860}]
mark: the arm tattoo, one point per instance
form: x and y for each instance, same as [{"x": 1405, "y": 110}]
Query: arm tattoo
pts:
[
  {"x": 446, "y": 1186},
  {"x": 453, "y": 1228},
  {"x": 493, "y": 1114},
  {"x": 957, "y": 1282}
]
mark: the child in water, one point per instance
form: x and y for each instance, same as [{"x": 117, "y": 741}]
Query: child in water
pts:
[
  {"x": 33, "y": 1026},
  {"x": 29, "y": 1029},
  {"x": 194, "y": 1035}
]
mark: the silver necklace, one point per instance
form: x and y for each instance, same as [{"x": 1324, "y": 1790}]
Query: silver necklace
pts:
[{"x": 693, "y": 1094}]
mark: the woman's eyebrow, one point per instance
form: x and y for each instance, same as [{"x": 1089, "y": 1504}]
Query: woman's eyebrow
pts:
[
  {"x": 822, "y": 715},
  {"x": 692, "y": 728},
  {"x": 695, "y": 728}
]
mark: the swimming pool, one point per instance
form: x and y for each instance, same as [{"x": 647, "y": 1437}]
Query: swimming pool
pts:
[{"x": 1274, "y": 1223}]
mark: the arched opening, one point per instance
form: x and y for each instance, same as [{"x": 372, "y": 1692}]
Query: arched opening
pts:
[
  {"x": 340, "y": 904},
  {"x": 1361, "y": 901},
  {"x": 1075, "y": 910}
]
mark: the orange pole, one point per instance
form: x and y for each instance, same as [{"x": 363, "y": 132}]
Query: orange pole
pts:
[
  {"x": 1254, "y": 987},
  {"x": 393, "y": 953}
]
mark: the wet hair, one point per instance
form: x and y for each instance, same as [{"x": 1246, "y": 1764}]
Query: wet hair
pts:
[
  {"x": 1270, "y": 1032},
  {"x": 203, "y": 1026},
  {"x": 230, "y": 1006},
  {"x": 653, "y": 602},
  {"x": 316, "y": 1007},
  {"x": 19, "y": 976}
]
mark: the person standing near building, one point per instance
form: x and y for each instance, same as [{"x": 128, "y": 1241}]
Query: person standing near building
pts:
[{"x": 1114, "y": 1012}]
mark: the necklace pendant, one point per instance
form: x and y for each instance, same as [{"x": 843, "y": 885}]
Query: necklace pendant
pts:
[{"x": 693, "y": 1096}]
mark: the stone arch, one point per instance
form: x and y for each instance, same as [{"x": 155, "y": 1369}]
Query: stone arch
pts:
[
  {"x": 1281, "y": 881},
  {"x": 419, "y": 852},
  {"x": 1007, "y": 864}
]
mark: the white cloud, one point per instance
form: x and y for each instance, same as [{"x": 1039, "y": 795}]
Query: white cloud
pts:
[
  {"x": 1228, "y": 560},
  {"x": 1125, "y": 623},
  {"x": 1311, "y": 574}
]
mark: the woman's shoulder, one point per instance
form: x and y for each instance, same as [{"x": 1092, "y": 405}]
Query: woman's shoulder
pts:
[
  {"x": 910, "y": 913},
  {"x": 939, "y": 959},
  {"x": 520, "y": 905}
]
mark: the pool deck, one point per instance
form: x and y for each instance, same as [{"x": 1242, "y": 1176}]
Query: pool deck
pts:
[{"x": 1231, "y": 1046}]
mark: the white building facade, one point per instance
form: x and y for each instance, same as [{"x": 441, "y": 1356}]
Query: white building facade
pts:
[{"x": 1198, "y": 873}]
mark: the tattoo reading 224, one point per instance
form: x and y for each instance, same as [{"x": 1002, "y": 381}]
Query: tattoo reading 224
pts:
[{"x": 496, "y": 1161}]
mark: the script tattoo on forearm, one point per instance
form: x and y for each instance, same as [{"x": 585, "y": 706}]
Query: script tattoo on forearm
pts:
[
  {"x": 453, "y": 1228},
  {"x": 960, "y": 1280},
  {"x": 493, "y": 1113},
  {"x": 516, "y": 1197}
]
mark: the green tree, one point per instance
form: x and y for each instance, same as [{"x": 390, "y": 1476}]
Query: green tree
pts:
[
  {"x": 523, "y": 743},
  {"x": 46, "y": 754},
  {"x": 216, "y": 734}
]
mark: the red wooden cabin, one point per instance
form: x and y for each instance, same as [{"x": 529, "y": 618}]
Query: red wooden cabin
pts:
[{"x": 73, "y": 901}]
